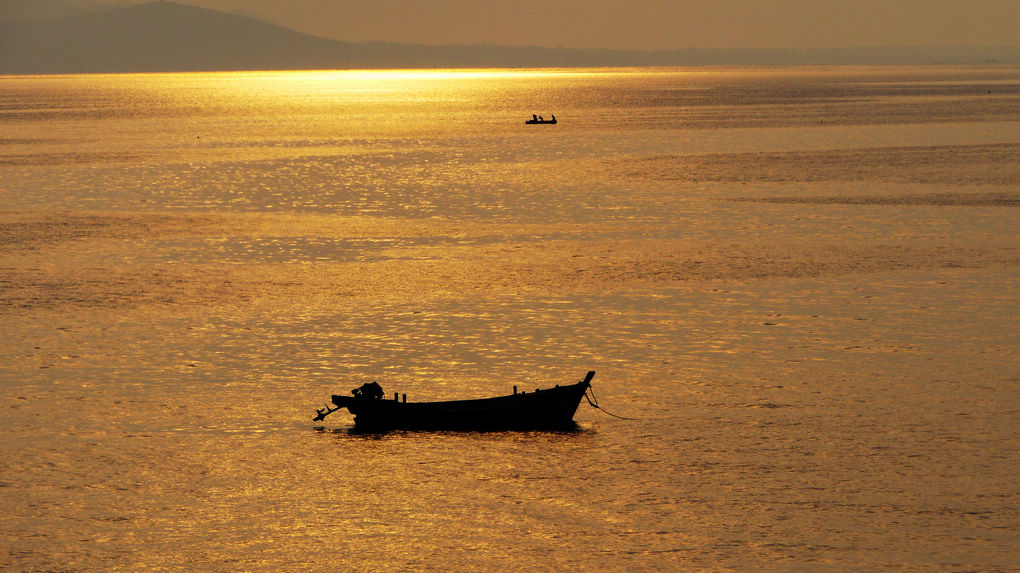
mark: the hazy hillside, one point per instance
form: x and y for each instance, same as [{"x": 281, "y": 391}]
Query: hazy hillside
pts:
[
  {"x": 21, "y": 10},
  {"x": 164, "y": 36},
  {"x": 161, "y": 36}
]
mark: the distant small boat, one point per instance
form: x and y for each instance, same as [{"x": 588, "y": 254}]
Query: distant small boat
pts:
[
  {"x": 538, "y": 120},
  {"x": 543, "y": 409}
]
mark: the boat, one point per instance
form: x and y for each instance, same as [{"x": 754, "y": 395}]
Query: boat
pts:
[
  {"x": 543, "y": 409},
  {"x": 538, "y": 120}
]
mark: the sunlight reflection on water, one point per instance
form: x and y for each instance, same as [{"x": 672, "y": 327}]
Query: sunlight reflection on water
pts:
[{"x": 800, "y": 283}]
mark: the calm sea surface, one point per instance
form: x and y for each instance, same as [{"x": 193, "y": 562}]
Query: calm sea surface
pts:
[{"x": 801, "y": 283}]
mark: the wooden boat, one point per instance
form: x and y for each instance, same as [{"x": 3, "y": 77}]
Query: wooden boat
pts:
[
  {"x": 535, "y": 120},
  {"x": 543, "y": 409}
]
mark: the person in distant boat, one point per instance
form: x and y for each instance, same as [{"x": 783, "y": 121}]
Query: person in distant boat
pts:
[
  {"x": 553, "y": 118},
  {"x": 534, "y": 117},
  {"x": 540, "y": 118}
]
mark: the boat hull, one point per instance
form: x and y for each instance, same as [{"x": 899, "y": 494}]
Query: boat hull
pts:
[{"x": 546, "y": 409}]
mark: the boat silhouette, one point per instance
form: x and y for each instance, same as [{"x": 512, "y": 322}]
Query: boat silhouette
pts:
[
  {"x": 539, "y": 120},
  {"x": 543, "y": 409}
]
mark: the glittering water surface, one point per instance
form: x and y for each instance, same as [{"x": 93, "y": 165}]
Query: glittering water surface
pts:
[{"x": 802, "y": 284}]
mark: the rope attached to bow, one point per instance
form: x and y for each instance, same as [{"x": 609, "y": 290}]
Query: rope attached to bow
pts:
[{"x": 594, "y": 403}]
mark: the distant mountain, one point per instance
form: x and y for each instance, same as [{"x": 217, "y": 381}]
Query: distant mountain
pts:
[
  {"x": 21, "y": 10},
  {"x": 165, "y": 36},
  {"x": 162, "y": 36}
]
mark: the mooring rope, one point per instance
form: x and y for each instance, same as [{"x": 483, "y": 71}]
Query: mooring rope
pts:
[{"x": 594, "y": 403}]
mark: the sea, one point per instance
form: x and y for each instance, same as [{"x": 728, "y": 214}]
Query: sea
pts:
[{"x": 798, "y": 288}]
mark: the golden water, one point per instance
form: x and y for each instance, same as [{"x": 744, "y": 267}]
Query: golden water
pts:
[{"x": 801, "y": 283}]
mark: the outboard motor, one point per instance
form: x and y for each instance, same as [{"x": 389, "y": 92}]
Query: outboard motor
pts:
[{"x": 372, "y": 391}]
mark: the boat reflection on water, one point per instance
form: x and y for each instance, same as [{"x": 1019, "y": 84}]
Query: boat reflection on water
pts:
[{"x": 543, "y": 409}]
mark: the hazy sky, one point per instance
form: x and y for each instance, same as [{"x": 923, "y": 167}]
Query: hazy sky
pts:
[{"x": 649, "y": 24}]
